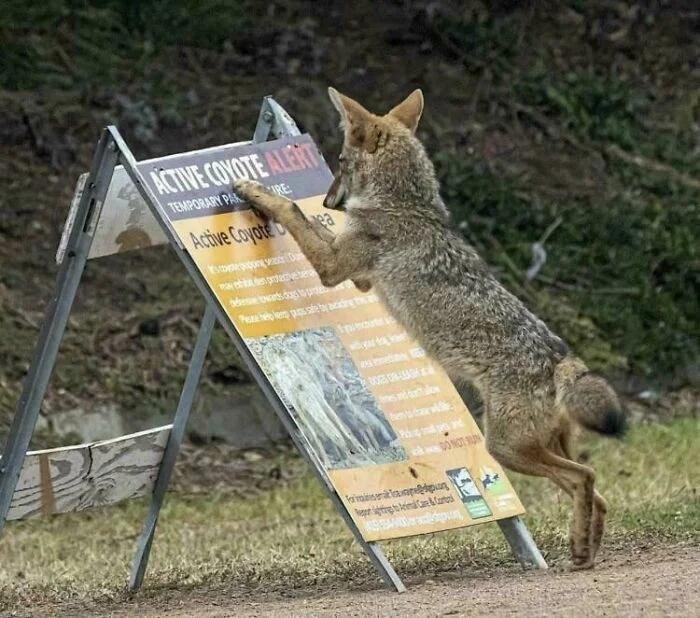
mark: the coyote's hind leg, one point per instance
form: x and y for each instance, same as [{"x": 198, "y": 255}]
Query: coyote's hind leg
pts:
[
  {"x": 574, "y": 478},
  {"x": 562, "y": 446},
  {"x": 600, "y": 509},
  {"x": 580, "y": 480}
]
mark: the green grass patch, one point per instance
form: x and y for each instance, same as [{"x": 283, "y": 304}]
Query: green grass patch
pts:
[
  {"x": 602, "y": 108},
  {"x": 621, "y": 279},
  {"x": 291, "y": 537},
  {"x": 588, "y": 103},
  {"x": 68, "y": 43}
]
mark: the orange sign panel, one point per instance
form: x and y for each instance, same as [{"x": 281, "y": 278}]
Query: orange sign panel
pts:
[{"x": 381, "y": 418}]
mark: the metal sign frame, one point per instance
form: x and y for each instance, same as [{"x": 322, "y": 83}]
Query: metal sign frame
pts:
[{"x": 112, "y": 150}]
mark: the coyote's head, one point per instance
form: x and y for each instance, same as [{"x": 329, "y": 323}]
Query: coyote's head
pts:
[{"x": 381, "y": 156}]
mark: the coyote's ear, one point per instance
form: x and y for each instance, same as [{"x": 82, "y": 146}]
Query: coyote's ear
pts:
[
  {"x": 337, "y": 100},
  {"x": 409, "y": 111},
  {"x": 348, "y": 108},
  {"x": 360, "y": 126}
]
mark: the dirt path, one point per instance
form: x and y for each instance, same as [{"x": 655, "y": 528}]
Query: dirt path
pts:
[{"x": 649, "y": 582}]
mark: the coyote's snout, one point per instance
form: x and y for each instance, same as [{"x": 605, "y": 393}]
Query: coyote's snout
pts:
[
  {"x": 335, "y": 198},
  {"x": 398, "y": 239}
]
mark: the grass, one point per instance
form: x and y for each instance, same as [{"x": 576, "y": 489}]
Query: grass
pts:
[
  {"x": 618, "y": 270},
  {"x": 65, "y": 43},
  {"x": 291, "y": 538},
  {"x": 557, "y": 129}
]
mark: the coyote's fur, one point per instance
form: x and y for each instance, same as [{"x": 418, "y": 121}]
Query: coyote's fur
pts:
[{"x": 399, "y": 241}]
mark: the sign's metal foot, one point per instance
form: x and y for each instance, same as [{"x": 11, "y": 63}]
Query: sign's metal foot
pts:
[
  {"x": 381, "y": 562},
  {"x": 522, "y": 544}
]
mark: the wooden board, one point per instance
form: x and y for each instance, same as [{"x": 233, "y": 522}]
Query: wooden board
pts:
[
  {"x": 75, "y": 478},
  {"x": 125, "y": 223}
]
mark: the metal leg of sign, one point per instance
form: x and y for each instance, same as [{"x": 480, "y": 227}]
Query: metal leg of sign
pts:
[
  {"x": 521, "y": 542},
  {"x": 54, "y": 325},
  {"x": 177, "y": 433},
  {"x": 278, "y": 124},
  {"x": 382, "y": 564}
]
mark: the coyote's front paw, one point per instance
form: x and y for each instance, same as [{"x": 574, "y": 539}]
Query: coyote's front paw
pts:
[
  {"x": 250, "y": 190},
  {"x": 261, "y": 198}
]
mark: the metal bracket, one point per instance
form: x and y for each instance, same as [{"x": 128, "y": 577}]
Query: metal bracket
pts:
[{"x": 273, "y": 121}]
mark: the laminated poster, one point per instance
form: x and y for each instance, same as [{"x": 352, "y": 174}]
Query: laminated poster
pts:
[{"x": 383, "y": 419}]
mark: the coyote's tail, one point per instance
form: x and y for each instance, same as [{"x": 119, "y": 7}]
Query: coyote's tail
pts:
[{"x": 588, "y": 398}]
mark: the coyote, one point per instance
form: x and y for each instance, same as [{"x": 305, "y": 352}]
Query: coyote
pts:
[{"x": 399, "y": 241}]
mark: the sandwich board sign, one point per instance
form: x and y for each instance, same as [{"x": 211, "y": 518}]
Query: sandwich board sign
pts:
[
  {"x": 386, "y": 425},
  {"x": 380, "y": 423}
]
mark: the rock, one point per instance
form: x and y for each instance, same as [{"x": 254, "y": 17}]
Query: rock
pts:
[
  {"x": 242, "y": 418},
  {"x": 102, "y": 423}
]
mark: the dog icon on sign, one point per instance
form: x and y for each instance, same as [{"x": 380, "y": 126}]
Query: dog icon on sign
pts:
[{"x": 469, "y": 493}]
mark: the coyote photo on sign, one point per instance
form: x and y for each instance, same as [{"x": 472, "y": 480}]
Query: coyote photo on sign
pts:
[{"x": 398, "y": 240}]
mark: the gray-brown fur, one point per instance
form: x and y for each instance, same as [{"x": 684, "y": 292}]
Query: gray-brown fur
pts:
[{"x": 398, "y": 240}]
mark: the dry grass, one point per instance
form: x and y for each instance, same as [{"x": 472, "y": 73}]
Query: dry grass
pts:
[{"x": 290, "y": 537}]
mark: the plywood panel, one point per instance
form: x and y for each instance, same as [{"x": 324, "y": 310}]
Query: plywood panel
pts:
[
  {"x": 75, "y": 478},
  {"x": 125, "y": 223}
]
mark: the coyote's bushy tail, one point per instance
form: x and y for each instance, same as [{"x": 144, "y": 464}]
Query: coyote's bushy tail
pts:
[{"x": 588, "y": 398}]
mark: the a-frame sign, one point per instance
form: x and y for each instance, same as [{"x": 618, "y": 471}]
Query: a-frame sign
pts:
[{"x": 380, "y": 425}]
